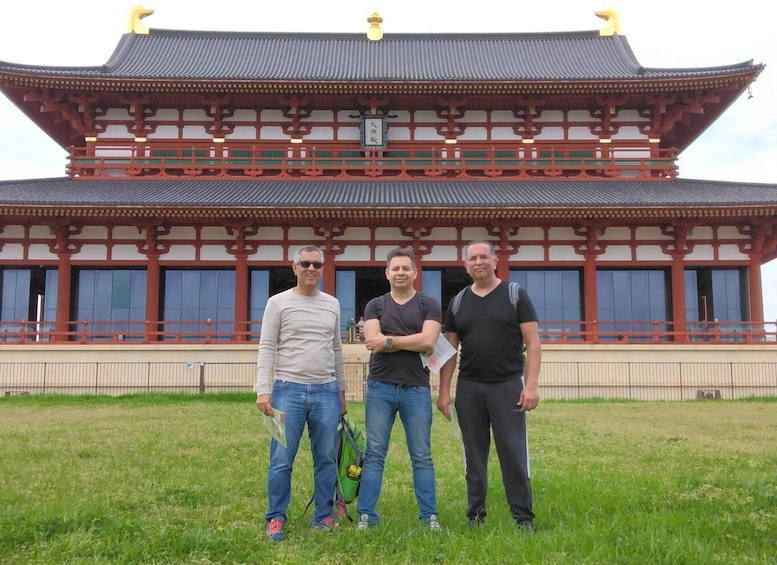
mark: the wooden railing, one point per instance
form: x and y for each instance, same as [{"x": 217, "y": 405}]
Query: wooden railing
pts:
[
  {"x": 326, "y": 160},
  {"x": 218, "y": 332}
]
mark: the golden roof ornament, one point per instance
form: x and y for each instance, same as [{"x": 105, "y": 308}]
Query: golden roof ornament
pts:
[
  {"x": 374, "y": 33},
  {"x": 136, "y": 14},
  {"x": 609, "y": 15}
]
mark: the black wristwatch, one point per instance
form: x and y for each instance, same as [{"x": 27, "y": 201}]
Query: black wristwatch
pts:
[{"x": 389, "y": 343}]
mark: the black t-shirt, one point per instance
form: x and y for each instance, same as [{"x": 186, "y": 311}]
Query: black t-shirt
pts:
[
  {"x": 401, "y": 367},
  {"x": 490, "y": 335}
]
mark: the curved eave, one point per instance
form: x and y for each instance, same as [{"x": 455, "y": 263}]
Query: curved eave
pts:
[
  {"x": 384, "y": 216},
  {"x": 739, "y": 78}
]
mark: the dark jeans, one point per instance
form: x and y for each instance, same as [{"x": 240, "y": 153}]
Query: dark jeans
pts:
[{"x": 481, "y": 409}]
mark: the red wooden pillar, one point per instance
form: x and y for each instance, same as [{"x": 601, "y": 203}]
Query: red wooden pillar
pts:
[
  {"x": 329, "y": 231},
  {"x": 755, "y": 284},
  {"x": 64, "y": 248},
  {"x": 679, "y": 316},
  {"x": 64, "y": 275},
  {"x": 678, "y": 249},
  {"x": 590, "y": 302},
  {"x": 590, "y": 249},
  {"x": 153, "y": 282},
  {"x": 241, "y": 248},
  {"x": 153, "y": 250},
  {"x": 241, "y": 297},
  {"x": 504, "y": 249}
]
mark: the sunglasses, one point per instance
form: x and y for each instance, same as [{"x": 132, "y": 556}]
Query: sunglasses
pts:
[{"x": 306, "y": 264}]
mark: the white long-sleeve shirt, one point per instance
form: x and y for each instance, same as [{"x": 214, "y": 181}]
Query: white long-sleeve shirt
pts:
[{"x": 300, "y": 341}]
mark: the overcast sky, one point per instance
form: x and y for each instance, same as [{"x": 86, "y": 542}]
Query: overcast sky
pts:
[{"x": 740, "y": 146}]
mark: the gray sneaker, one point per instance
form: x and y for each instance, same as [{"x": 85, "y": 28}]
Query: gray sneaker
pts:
[
  {"x": 434, "y": 525},
  {"x": 363, "y": 523}
]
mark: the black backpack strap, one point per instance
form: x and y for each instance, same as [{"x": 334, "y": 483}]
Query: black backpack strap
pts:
[
  {"x": 456, "y": 302},
  {"x": 514, "y": 289},
  {"x": 381, "y": 302},
  {"x": 422, "y": 303}
]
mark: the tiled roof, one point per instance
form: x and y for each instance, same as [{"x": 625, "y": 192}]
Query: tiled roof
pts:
[
  {"x": 376, "y": 194},
  {"x": 560, "y": 56}
]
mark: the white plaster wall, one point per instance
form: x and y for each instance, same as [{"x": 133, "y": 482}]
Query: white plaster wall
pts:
[
  {"x": 164, "y": 132},
  {"x": 180, "y": 232},
  {"x": 355, "y": 233},
  {"x": 388, "y": 233},
  {"x": 91, "y": 232},
  {"x": 242, "y": 132},
  {"x": 11, "y": 252},
  {"x": 563, "y": 253},
  {"x": 355, "y": 253},
  {"x": 304, "y": 233},
  {"x": 127, "y": 253},
  {"x": 268, "y": 253},
  {"x": 128, "y": 232},
  {"x": 179, "y": 253},
  {"x": 469, "y": 234},
  {"x": 41, "y": 232},
  {"x": 701, "y": 253},
  {"x": 11, "y": 232},
  {"x": 701, "y": 232},
  {"x": 730, "y": 253},
  {"x": 215, "y": 253},
  {"x": 562, "y": 233},
  {"x": 216, "y": 233},
  {"x": 528, "y": 253},
  {"x": 92, "y": 253},
  {"x": 473, "y": 134},
  {"x": 615, "y": 233},
  {"x": 615, "y": 253},
  {"x": 651, "y": 253},
  {"x": 731, "y": 232},
  {"x": 444, "y": 253},
  {"x": 40, "y": 252}
]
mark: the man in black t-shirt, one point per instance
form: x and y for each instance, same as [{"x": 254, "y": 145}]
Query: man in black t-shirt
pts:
[
  {"x": 398, "y": 326},
  {"x": 491, "y": 395}
]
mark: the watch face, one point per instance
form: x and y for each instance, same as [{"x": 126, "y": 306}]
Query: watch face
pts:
[{"x": 389, "y": 342}]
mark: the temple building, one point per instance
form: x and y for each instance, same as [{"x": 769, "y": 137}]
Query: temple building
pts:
[{"x": 199, "y": 161}]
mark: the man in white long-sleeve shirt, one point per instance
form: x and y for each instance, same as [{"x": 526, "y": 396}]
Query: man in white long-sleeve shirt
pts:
[{"x": 300, "y": 372}]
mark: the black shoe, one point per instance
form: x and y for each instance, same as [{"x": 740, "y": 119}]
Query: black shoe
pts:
[
  {"x": 527, "y": 526},
  {"x": 475, "y": 522}
]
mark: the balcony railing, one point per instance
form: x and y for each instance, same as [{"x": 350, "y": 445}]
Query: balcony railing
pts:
[
  {"x": 226, "y": 331},
  {"x": 507, "y": 162}
]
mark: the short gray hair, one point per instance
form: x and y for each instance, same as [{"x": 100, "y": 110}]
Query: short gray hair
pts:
[
  {"x": 491, "y": 250},
  {"x": 305, "y": 248}
]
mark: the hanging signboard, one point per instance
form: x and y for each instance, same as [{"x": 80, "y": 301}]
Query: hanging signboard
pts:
[{"x": 373, "y": 130}]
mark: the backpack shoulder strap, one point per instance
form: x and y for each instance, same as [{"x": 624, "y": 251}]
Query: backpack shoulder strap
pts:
[
  {"x": 457, "y": 301},
  {"x": 514, "y": 288},
  {"x": 422, "y": 303},
  {"x": 381, "y": 302}
]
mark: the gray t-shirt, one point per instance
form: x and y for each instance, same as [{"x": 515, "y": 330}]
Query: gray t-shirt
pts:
[{"x": 300, "y": 341}]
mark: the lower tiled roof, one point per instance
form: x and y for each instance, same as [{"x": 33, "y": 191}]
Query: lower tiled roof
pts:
[
  {"x": 542, "y": 193},
  {"x": 375, "y": 198}
]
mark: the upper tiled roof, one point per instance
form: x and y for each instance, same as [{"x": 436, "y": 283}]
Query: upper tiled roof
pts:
[
  {"x": 217, "y": 56},
  {"x": 475, "y": 199}
]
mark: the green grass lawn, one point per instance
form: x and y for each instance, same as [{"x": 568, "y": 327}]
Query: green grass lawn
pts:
[{"x": 181, "y": 479}]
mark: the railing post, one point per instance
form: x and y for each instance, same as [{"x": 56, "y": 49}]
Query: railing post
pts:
[{"x": 202, "y": 377}]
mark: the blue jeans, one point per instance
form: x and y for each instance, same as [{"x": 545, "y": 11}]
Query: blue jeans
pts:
[
  {"x": 414, "y": 404},
  {"x": 319, "y": 407}
]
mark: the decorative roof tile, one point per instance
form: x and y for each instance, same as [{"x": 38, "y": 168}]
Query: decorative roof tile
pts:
[
  {"x": 232, "y": 56},
  {"x": 394, "y": 195}
]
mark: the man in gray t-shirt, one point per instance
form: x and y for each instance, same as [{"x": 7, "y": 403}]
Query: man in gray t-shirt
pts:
[{"x": 300, "y": 372}]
